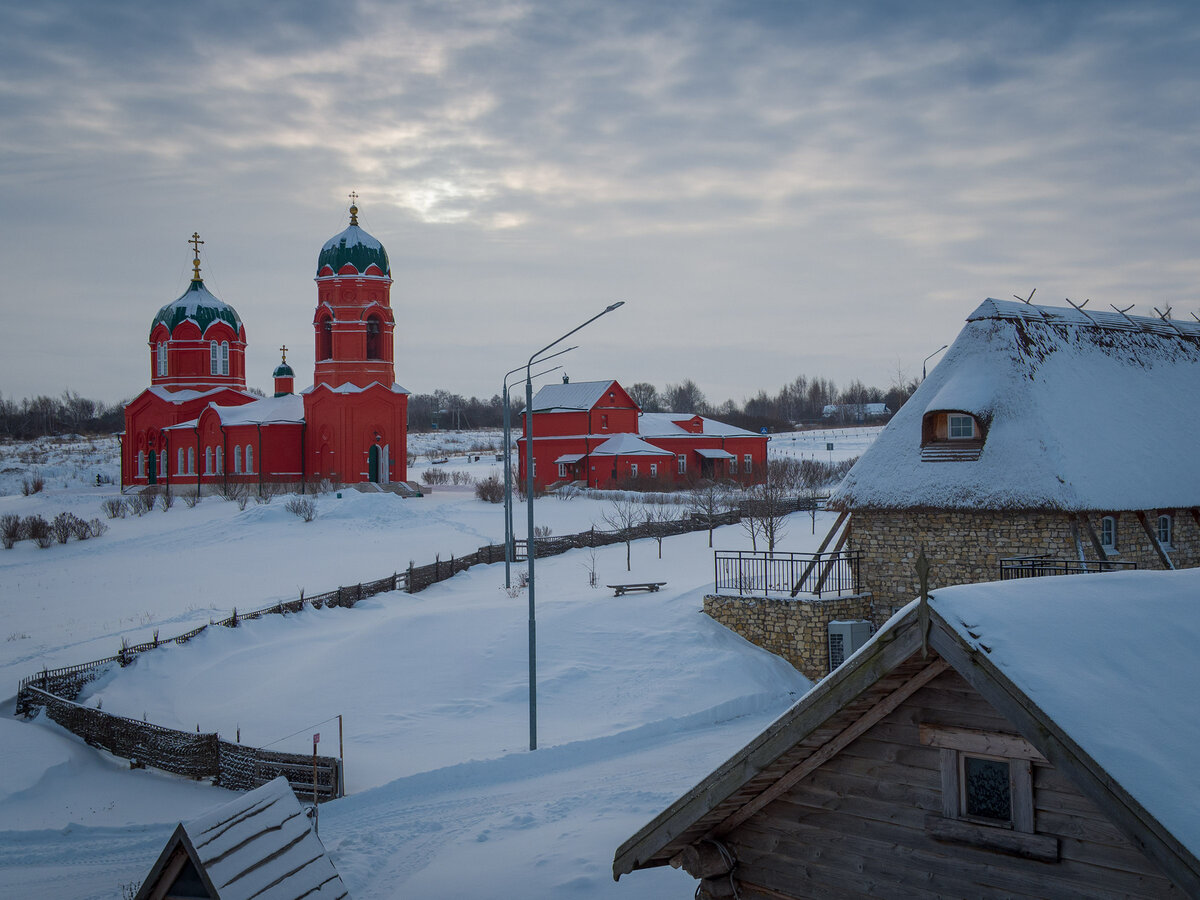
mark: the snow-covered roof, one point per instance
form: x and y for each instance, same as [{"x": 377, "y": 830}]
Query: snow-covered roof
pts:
[
  {"x": 1081, "y": 411},
  {"x": 183, "y": 396},
  {"x": 576, "y": 395},
  {"x": 1112, "y": 659},
  {"x": 663, "y": 425},
  {"x": 714, "y": 453},
  {"x": 262, "y": 845},
  {"x": 628, "y": 445},
  {"x": 1098, "y": 672},
  {"x": 265, "y": 411}
]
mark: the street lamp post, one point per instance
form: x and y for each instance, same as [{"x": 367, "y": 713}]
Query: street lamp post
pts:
[
  {"x": 507, "y": 460},
  {"x": 530, "y": 548},
  {"x": 931, "y": 356}
]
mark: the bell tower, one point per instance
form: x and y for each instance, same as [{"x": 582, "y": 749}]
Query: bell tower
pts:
[{"x": 353, "y": 324}]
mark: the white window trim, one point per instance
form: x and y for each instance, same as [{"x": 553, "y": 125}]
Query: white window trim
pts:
[
  {"x": 224, "y": 357},
  {"x": 562, "y": 470},
  {"x": 214, "y": 361},
  {"x": 249, "y": 460},
  {"x": 237, "y": 459},
  {"x": 1108, "y": 541},
  {"x": 208, "y": 460},
  {"x": 681, "y": 461},
  {"x": 191, "y": 469},
  {"x": 653, "y": 470},
  {"x": 747, "y": 463},
  {"x": 179, "y": 458},
  {"x": 733, "y": 465},
  {"x": 633, "y": 470},
  {"x": 219, "y": 459},
  {"x": 1168, "y": 521}
]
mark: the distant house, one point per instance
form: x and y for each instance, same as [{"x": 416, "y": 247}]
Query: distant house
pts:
[
  {"x": 594, "y": 433},
  {"x": 1044, "y": 432},
  {"x": 260, "y": 845},
  {"x": 1023, "y": 739},
  {"x": 855, "y": 412}
]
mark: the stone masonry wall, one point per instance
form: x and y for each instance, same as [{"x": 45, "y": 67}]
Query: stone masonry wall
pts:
[
  {"x": 793, "y": 629},
  {"x": 966, "y": 546}
]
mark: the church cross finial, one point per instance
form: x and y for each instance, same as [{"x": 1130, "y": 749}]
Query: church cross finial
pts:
[
  {"x": 353, "y": 207},
  {"x": 283, "y": 350},
  {"x": 196, "y": 242}
]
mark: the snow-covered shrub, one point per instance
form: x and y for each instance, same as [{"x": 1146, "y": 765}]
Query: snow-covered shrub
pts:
[
  {"x": 63, "y": 526},
  {"x": 191, "y": 498},
  {"x": 10, "y": 530},
  {"x": 37, "y": 529},
  {"x": 33, "y": 485},
  {"x": 96, "y": 528},
  {"x": 141, "y": 503},
  {"x": 114, "y": 507},
  {"x": 166, "y": 499},
  {"x": 435, "y": 476},
  {"x": 460, "y": 477},
  {"x": 302, "y": 507},
  {"x": 542, "y": 531},
  {"x": 490, "y": 489}
]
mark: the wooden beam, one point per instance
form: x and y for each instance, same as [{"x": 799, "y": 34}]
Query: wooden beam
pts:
[
  {"x": 825, "y": 543},
  {"x": 1130, "y": 817},
  {"x": 832, "y": 561},
  {"x": 1091, "y": 533},
  {"x": 835, "y": 746},
  {"x": 1158, "y": 548},
  {"x": 972, "y": 740}
]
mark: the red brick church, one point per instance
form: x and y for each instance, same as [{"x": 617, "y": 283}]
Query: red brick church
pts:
[{"x": 197, "y": 424}]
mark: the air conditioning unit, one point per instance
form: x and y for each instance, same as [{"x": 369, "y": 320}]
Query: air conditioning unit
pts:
[{"x": 845, "y": 638}]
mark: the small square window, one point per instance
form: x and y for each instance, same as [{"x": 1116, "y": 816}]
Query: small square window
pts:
[{"x": 960, "y": 428}]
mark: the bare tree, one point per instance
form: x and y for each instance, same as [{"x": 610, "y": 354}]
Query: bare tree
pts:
[
  {"x": 685, "y": 397},
  {"x": 766, "y": 511},
  {"x": 645, "y": 395},
  {"x": 625, "y": 515},
  {"x": 707, "y": 501},
  {"x": 659, "y": 515}
]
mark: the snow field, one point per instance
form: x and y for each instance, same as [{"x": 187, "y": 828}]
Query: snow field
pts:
[{"x": 638, "y": 696}]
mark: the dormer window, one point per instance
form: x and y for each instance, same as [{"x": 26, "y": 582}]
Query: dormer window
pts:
[
  {"x": 951, "y": 436},
  {"x": 960, "y": 427}
]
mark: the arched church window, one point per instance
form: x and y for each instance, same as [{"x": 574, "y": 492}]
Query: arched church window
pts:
[
  {"x": 373, "y": 329},
  {"x": 162, "y": 461},
  {"x": 249, "y": 460},
  {"x": 160, "y": 358},
  {"x": 220, "y": 458},
  {"x": 141, "y": 464},
  {"x": 224, "y": 357},
  {"x": 324, "y": 339},
  {"x": 237, "y": 459},
  {"x": 179, "y": 469},
  {"x": 208, "y": 460},
  {"x": 214, "y": 359},
  {"x": 191, "y": 460}
]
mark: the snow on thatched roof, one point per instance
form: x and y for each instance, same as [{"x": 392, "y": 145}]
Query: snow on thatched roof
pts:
[{"x": 1080, "y": 410}]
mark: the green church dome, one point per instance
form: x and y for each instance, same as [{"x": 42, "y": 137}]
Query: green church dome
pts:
[
  {"x": 355, "y": 247},
  {"x": 283, "y": 370},
  {"x": 197, "y": 305}
]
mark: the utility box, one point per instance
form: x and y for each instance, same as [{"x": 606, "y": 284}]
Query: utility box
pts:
[{"x": 845, "y": 638}]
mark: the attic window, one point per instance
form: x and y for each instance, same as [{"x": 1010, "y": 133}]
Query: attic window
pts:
[{"x": 960, "y": 427}]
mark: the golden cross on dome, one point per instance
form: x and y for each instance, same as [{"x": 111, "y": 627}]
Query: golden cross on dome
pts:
[
  {"x": 283, "y": 350},
  {"x": 196, "y": 242},
  {"x": 353, "y": 207}
]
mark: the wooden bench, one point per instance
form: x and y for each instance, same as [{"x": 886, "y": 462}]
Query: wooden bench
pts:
[{"x": 648, "y": 586}]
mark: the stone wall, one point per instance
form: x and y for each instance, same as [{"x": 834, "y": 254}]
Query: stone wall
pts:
[
  {"x": 793, "y": 629},
  {"x": 966, "y": 546}
]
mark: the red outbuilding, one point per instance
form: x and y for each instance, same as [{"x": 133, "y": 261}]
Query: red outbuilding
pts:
[
  {"x": 594, "y": 433},
  {"x": 197, "y": 424}
]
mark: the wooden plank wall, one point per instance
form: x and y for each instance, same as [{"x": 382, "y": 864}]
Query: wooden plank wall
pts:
[{"x": 855, "y": 827}]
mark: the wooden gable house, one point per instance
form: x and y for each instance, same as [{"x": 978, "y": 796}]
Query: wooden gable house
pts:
[
  {"x": 1046, "y": 440},
  {"x": 260, "y": 845},
  {"x": 1036, "y": 738}
]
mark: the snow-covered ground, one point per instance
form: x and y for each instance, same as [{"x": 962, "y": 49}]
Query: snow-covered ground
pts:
[{"x": 638, "y": 697}]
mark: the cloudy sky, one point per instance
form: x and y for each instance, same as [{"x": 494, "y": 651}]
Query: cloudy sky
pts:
[{"x": 774, "y": 188}]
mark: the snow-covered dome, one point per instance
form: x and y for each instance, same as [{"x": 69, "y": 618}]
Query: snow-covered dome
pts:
[
  {"x": 355, "y": 247},
  {"x": 199, "y": 305},
  {"x": 283, "y": 370}
]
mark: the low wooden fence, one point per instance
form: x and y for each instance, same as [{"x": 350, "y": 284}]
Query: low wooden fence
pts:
[
  {"x": 552, "y": 546},
  {"x": 191, "y": 754},
  {"x": 788, "y": 574}
]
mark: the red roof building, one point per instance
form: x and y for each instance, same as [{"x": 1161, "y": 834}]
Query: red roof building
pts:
[
  {"x": 197, "y": 424},
  {"x": 594, "y": 433}
]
